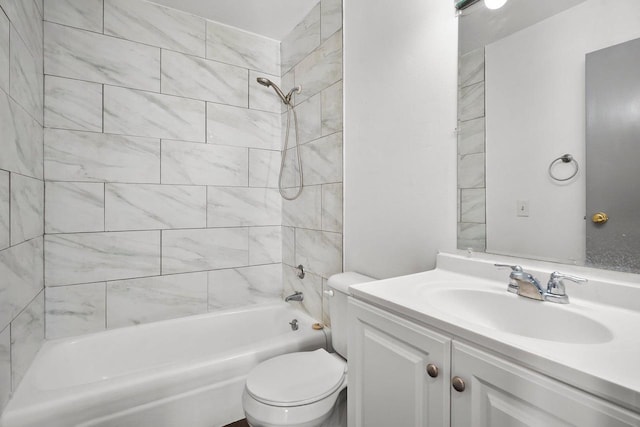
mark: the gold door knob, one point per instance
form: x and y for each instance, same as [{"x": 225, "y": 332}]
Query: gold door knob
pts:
[
  {"x": 432, "y": 370},
  {"x": 458, "y": 384},
  {"x": 600, "y": 218}
]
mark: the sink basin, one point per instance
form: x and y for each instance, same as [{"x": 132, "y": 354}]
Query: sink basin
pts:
[{"x": 518, "y": 315}]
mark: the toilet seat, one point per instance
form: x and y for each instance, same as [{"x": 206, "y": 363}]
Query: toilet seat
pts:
[{"x": 296, "y": 379}]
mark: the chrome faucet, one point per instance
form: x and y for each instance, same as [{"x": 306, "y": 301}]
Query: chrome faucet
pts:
[
  {"x": 524, "y": 284},
  {"x": 555, "y": 288},
  {"x": 294, "y": 297}
]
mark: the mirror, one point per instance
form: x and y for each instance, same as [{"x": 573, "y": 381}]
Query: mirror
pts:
[{"x": 522, "y": 106}]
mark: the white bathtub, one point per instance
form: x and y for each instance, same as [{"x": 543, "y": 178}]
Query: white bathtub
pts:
[{"x": 183, "y": 372}]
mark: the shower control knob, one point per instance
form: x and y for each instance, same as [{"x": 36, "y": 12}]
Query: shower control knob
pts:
[
  {"x": 458, "y": 384},
  {"x": 432, "y": 370}
]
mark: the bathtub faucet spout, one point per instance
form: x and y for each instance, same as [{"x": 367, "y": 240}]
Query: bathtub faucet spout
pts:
[{"x": 294, "y": 297}]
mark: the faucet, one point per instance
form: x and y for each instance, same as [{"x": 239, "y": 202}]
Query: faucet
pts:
[
  {"x": 294, "y": 297},
  {"x": 525, "y": 285}
]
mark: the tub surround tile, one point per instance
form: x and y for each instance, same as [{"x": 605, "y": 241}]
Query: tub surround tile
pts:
[
  {"x": 198, "y": 78},
  {"x": 309, "y": 121},
  {"x": 21, "y": 272},
  {"x": 242, "y": 127},
  {"x": 265, "y": 245},
  {"x": 27, "y": 335},
  {"x": 186, "y": 251},
  {"x": 331, "y": 19},
  {"x": 238, "y": 287},
  {"x": 72, "y": 207},
  {"x": 471, "y": 102},
  {"x": 471, "y": 136},
  {"x": 155, "y": 25},
  {"x": 5, "y": 54},
  {"x": 5, "y": 366},
  {"x": 319, "y": 251},
  {"x": 4, "y": 209},
  {"x": 132, "y": 302},
  {"x": 84, "y": 14},
  {"x": 72, "y": 104},
  {"x": 310, "y": 286},
  {"x": 27, "y": 20},
  {"x": 204, "y": 164},
  {"x": 149, "y": 207},
  {"x": 140, "y": 113},
  {"x": 27, "y": 208},
  {"x": 322, "y": 68},
  {"x": 306, "y": 210},
  {"x": 472, "y": 205},
  {"x": 471, "y": 171},
  {"x": 237, "y": 47},
  {"x": 472, "y": 236},
  {"x": 332, "y": 207},
  {"x": 332, "y": 109},
  {"x": 241, "y": 206},
  {"x": 302, "y": 40},
  {"x": 75, "y": 310},
  {"x": 26, "y": 78},
  {"x": 322, "y": 160},
  {"x": 97, "y": 257},
  {"x": 264, "y": 98},
  {"x": 20, "y": 139},
  {"x": 88, "y": 156},
  {"x": 264, "y": 168},
  {"x": 288, "y": 245},
  {"x": 471, "y": 68},
  {"x": 84, "y": 55}
]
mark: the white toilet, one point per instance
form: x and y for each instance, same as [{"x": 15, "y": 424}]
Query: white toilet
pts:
[{"x": 301, "y": 389}]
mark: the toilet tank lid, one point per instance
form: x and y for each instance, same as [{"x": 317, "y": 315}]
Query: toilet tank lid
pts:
[{"x": 342, "y": 281}]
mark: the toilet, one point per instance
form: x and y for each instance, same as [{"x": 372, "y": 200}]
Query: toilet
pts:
[{"x": 301, "y": 389}]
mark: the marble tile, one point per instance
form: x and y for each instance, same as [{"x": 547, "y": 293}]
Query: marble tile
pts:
[
  {"x": 239, "y": 287},
  {"x": 72, "y": 207},
  {"x": 288, "y": 245},
  {"x": 132, "y": 302},
  {"x": 84, "y": 55},
  {"x": 471, "y": 136},
  {"x": 471, "y": 68},
  {"x": 332, "y": 116},
  {"x": 472, "y": 205},
  {"x": 326, "y": 316},
  {"x": 72, "y": 104},
  {"x": 149, "y": 206},
  {"x": 290, "y": 171},
  {"x": 21, "y": 271},
  {"x": 302, "y": 40},
  {"x": 198, "y": 250},
  {"x": 310, "y": 286},
  {"x": 262, "y": 97},
  {"x": 85, "y": 14},
  {"x": 139, "y": 113},
  {"x": 27, "y": 336},
  {"x": 319, "y": 251},
  {"x": 322, "y": 68},
  {"x": 5, "y": 54},
  {"x": 471, "y": 171},
  {"x": 26, "y": 19},
  {"x": 20, "y": 139},
  {"x": 322, "y": 160},
  {"x": 309, "y": 121},
  {"x": 265, "y": 245},
  {"x": 4, "y": 209},
  {"x": 332, "y": 207},
  {"x": 97, "y": 257},
  {"x": 203, "y": 164},
  {"x": 331, "y": 19},
  {"x": 472, "y": 236},
  {"x": 264, "y": 168},
  {"x": 88, "y": 156},
  {"x": 242, "y": 206},
  {"x": 242, "y": 127},
  {"x": 237, "y": 47},
  {"x": 471, "y": 102},
  {"x": 5, "y": 366},
  {"x": 198, "y": 78},
  {"x": 306, "y": 210},
  {"x": 155, "y": 25},
  {"x": 27, "y": 208},
  {"x": 26, "y": 78},
  {"x": 75, "y": 310}
]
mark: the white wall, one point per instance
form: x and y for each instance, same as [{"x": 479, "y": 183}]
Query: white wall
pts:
[
  {"x": 535, "y": 101},
  {"x": 400, "y": 77}
]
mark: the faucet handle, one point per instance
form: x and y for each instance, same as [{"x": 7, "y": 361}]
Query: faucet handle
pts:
[
  {"x": 516, "y": 273},
  {"x": 515, "y": 268},
  {"x": 555, "y": 285}
]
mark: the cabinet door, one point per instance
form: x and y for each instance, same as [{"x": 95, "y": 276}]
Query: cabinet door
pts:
[
  {"x": 388, "y": 380},
  {"x": 498, "y": 393}
]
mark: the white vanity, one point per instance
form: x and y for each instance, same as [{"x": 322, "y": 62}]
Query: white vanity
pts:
[{"x": 453, "y": 347}]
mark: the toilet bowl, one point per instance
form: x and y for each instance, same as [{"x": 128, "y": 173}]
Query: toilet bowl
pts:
[{"x": 301, "y": 389}]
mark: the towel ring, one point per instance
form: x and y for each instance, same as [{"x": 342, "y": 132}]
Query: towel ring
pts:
[{"x": 567, "y": 158}]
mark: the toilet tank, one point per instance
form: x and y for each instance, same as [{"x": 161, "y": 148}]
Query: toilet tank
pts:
[{"x": 339, "y": 284}]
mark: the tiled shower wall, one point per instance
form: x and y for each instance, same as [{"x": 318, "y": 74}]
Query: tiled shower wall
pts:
[
  {"x": 312, "y": 224},
  {"x": 471, "y": 152},
  {"x": 21, "y": 190},
  {"x": 161, "y": 161}
]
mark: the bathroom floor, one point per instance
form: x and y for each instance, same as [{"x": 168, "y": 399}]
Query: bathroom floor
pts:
[{"x": 241, "y": 423}]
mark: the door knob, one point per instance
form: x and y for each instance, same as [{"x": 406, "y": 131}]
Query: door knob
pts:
[
  {"x": 432, "y": 370},
  {"x": 458, "y": 384},
  {"x": 599, "y": 218}
]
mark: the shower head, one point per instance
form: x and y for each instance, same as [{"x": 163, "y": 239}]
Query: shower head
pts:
[{"x": 268, "y": 83}]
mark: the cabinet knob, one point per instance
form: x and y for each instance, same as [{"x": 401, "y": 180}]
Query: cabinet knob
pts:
[
  {"x": 432, "y": 370},
  {"x": 458, "y": 384}
]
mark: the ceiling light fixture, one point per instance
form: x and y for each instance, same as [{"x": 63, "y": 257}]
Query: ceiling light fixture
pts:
[{"x": 494, "y": 4}]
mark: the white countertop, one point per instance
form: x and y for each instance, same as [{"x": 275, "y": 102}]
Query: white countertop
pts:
[{"x": 609, "y": 369}]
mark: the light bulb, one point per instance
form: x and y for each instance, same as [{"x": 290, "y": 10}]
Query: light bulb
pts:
[{"x": 494, "y": 4}]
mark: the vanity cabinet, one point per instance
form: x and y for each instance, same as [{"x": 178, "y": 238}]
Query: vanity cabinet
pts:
[{"x": 389, "y": 384}]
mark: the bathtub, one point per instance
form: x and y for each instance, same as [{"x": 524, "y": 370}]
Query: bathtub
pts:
[{"x": 183, "y": 372}]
